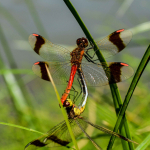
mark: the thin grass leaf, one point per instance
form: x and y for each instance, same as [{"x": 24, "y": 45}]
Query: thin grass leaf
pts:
[
  {"x": 19, "y": 95},
  {"x": 20, "y": 127},
  {"x": 63, "y": 110},
  {"x": 143, "y": 27},
  {"x": 113, "y": 87},
  {"x": 123, "y": 8},
  {"x": 12, "y": 64},
  {"x": 20, "y": 105},
  {"x": 132, "y": 87},
  {"x": 16, "y": 71},
  {"x": 144, "y": 144},
  {"x": 124, "y": 130}
]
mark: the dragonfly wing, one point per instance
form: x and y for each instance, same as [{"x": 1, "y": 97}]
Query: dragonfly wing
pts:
[
  {"x": 105, "y": 130},
  {"x": 57, "y": 136},
  {"x": 96, "y": 76},
  {"x": 49, "y": 138},
  {"x": 60, "y": 71},
  {"x": 113, "y": 43},
  {"x": 78, "y": 121},
  {"x": 48, "y": 50}
]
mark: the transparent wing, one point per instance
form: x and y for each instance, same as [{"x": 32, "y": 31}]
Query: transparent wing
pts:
[
  {"x": 105, "y": 130},
  {"x": 60, "y": 71},
  {"x": 94, "y": 143},
  {"x": 48, "y": 50},
  {"x": 95, "y": 75},
  {"x": 113, "y": 43},
  {"x": 57, "y": 136}
]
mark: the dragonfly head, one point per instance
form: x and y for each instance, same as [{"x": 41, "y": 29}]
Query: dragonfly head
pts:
[
  {"x": 68, "y": 103},
  {"x": 82, "y": 42}
]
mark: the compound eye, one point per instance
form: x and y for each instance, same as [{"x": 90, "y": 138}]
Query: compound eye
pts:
[
  {"x": 85, "y": 41},
  {"x": 78, "y": 41},
  {"x": 66, "y": 104}
]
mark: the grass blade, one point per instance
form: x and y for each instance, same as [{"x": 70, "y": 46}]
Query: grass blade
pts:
[
  {"x": 19, "y": 95},
  {"x": 63, "y": 110},
  {"x": 21, "y": 127},
  {"x": 113, "y": 87},
  {"x": 144, "y": 144},
  {"x": 132, "y": 87},
  {"x": 124, "y": 130}
]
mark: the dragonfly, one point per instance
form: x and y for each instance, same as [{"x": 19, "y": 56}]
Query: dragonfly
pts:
[
  {"x": 64, "y": 63},
  {"x": 60, "y": 136}
]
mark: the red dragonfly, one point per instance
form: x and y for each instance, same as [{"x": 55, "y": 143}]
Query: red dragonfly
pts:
[
  {"x": 60, "y": 136},
  {"x": 64, "y": 63}
]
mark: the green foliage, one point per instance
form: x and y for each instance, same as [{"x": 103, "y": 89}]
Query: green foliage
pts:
[{"x": 29, "y": 103}]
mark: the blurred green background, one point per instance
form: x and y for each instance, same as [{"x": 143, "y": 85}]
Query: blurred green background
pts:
[{"x": 28, "y": 101}]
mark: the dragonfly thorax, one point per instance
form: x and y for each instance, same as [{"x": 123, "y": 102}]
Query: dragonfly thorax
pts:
[{"x": 77, "y": 55}]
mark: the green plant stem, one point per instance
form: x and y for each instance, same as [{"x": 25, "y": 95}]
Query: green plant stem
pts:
[
  {"x": 118, "y": 103},
  {"x": 16, "y": 92},
  {"x": 63, "y": 110},
  {"x": 123, "y": 130},
  {"x": 132, "y": 87},
  {"x": 85, "y": 30},
  {"x": 21, "y": 127},
  {"x": 144, "y": 144},
  {"x": 13, "y": 65},
  {"x": 113, "y": 87},
  {"x": 16, "y": 71}
]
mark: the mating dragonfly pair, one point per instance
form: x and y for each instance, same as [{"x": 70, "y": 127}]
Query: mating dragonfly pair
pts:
[{"x": 64, "y": 65}]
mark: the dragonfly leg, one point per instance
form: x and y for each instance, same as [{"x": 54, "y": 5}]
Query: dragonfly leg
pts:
[{"x": 89, "y": 59}]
